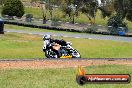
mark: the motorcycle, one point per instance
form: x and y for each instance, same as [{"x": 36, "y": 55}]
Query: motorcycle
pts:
[{"x": 51, "y": 51}]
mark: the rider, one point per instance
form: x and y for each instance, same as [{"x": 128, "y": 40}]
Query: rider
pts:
[{"x": 48, "y": 41}]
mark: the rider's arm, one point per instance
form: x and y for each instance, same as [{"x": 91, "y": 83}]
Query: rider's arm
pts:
[{"x": 46, "y": 42}]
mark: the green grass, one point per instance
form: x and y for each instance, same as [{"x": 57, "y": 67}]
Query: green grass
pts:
[
  {"x": 14, "y": 27},
  {"x": 102, "y": 49},
  {"x": 37, "y": 13},
  {"x": 19, "y": 46},
  {"x": 58, "y": 78}
]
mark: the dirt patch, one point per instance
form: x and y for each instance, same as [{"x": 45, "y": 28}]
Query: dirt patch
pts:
[{"x": 39, "y": 64}]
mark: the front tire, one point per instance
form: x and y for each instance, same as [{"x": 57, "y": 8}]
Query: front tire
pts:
[{"x": 76, "y": 54}]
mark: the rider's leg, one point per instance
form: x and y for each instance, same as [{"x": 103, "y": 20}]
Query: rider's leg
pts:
[{"x": 58, "y": 52}]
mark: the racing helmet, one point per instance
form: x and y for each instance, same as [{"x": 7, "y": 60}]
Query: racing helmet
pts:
[{"x": 46, "y": 37}]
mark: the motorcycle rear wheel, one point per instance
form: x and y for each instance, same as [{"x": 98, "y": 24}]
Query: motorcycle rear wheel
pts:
[{"x": 50, "y": 54}]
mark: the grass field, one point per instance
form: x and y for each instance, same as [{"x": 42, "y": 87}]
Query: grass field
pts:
[
  {"x": 58, "y": 78},
  {"x": 18, "y": 46}
]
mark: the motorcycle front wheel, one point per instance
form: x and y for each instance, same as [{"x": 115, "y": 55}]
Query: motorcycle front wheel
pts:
[{"x": 76, "y": 54}]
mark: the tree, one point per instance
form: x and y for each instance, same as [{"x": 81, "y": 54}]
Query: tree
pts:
[
  {"x": 13, "y": 8},
  {"x": 34, "y": 0},
  {"x": 117, "y": 10},
  {"x": 106, "y": 8},
  {"x": 89, "y": 7},
  {"x": 49, "y": 6},
  {"x": 122, "y": 8},
  {"x": 43, "y": 9},
  {"x": 65, "y": 7},
  {"x": 70, "y": 8},
  {"x": 1, "y": 2}
]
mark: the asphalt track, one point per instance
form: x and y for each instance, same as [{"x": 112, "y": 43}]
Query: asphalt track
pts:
[{"x": 76, "y": 35}]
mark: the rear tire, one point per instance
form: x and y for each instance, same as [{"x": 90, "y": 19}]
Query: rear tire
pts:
[{"x": 50, "y": 54}]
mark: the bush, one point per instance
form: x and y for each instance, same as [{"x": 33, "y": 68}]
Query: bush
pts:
[
  {"x": 29, "y": 17},
  {"x": 13, "y": 8},
  {"x": 91, "y": 29},
  {"x": 114, "y": 24},
  {"x": 55, "y": 22}
]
